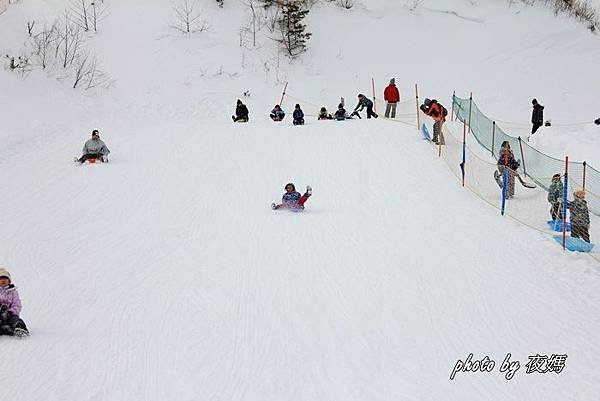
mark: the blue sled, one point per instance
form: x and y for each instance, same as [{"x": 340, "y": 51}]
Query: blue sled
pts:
[
  {"x": 425, "y": 131},
  {"x": 575, "y": 244},
  {"x": 557, "y": 225}
]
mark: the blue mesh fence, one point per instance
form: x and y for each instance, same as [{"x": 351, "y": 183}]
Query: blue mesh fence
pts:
[{"x": 537, "y": 165}]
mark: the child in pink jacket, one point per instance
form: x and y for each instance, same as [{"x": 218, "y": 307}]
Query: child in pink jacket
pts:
[{"x": 10, "y": 308}]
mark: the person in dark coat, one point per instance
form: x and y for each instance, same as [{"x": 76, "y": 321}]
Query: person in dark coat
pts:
[
  {"x": 340, "y": 113},
  {"x": 537, "y": 116},
  {"x": 580, "y": 217},
  {"x": 324, "y": 115},
  {"x": 298, "y": 115},
  {"x": 241, "y": 113},
  {"x": 363, "y": 102},
  {"x": 597, "y": 121},
  {"x": 555, "y": 196}
]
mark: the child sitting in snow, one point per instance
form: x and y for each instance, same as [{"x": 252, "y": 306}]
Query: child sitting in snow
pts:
[
  {"x": 324, "y": 115},
  {"x": 292, "y": 199},
  {"x": 10, "y": 308},
  {"x": 298, "y": 115},
  {"x": 555, "y": 195},
  {"x": 580, "y": 217},
  {"x": 340, "y": 113},
  {"x": 277, "y": 114}
]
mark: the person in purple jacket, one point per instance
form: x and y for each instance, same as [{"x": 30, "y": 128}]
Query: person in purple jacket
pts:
[
  {"x": 10, "y": 308},
  {"x": 292, "y": 199}
]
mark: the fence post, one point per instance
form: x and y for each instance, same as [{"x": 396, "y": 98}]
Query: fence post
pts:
[
  {"x": 564, "y": 216},
  {"x": 374, "y": 101},
  {"x": 283, "y": 94},
  {"x": 417, "y": 100},
  {"x": 584, "y": 167},
  {"x": 504, "y": 189},
  {"x": 464, "y": 147},
  {"x": 452, "y": 112},
  {"x": 493, "y": 136},
  {"x": 470, "y": 103},
  {"x": 522, "y": 157}
]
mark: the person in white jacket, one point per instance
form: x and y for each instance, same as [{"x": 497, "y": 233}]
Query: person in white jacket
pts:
[{"x": 94, "y": 148}]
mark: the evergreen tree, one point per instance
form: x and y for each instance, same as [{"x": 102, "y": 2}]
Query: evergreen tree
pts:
[{"x": 293, "y": 31}]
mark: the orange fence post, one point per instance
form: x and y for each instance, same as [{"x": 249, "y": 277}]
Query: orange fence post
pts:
[
  {"x": 417, "y": 100},
  {"x": 283, "y": 94},
  {"x": 374, "y": 101},
  {"x": 564, "y": 226}
]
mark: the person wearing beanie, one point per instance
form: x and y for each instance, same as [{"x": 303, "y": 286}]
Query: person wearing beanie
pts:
[
  {"x": 292, "y": 199},
  {"x": 95, "y": 149},
  {"x": 537, "y": 116},
  {"x": 580, "y": 216},
  {"x": 438, "y": 113},
  {"x": 324, "y": 115},
  {"x": 241, "y": 113},
  {"x": 392, "y": 96},
  {"x": 340, "y": 113},
  {"x": 298, "y": 115},
  {"x": 363, "y": 102},
  {"x": 555, "y": 196},
  {"x": 277, "y": 114},
  {"x": 10, "y": 308}
]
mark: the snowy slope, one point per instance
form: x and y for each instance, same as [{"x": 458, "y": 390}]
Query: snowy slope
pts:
[{"x": 164, "y": 275}]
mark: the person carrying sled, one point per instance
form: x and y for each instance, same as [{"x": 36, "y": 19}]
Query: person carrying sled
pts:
[
  {"x": 10, "y": 308},
  {"x": 241, "y": 113},
  {"x": 277, "y": 114},
  {"x": 324, "y": 115},
  {"x": 392, "y": 96},
  {"x": 580, "y": 216},
  {"x": 537, "y": 116},
  {"x": 298, "y": 115},
  {"x": 438, "y": 113},
  {"x": 292, "y": 199},
  {"x": 94, "y": 148},
  {"x": 507, "y": 161},
  {"x": 363, "y": 102},
  {"x": 555, "y": 196}
]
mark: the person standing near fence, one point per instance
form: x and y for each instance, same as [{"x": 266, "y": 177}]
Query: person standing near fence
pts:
[
  {"x": 537, "y": 116},
  {"x": 506, "y": 161},
  {"x": 555, "y": 195},
  {"x": 580, "y": 217},
  {"x": 435, "y": 110},
  {"x": 391, "y": 95}
]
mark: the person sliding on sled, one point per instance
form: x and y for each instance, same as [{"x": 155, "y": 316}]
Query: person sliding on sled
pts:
[
  {"x": 10, "y": 308},
  {"x": 506, "y": 161},
  {"x": 277, "y": 114},
  {"x": 298, "y": 115},
  {"x": 340, "y": 113},
  {"x": 241, "y": 113},
  {"x": 580, "y": 217},
  {"x": 94, "y": 148},
  {"x": 292, "y": 199},
  {"x": 363, "y": 102},
  {"x": 438, "y": 112},
  {"x": 555, "y": 195},
  {"x": 324, "y": 115}
]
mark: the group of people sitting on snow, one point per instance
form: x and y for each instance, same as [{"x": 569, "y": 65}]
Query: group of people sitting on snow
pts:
[{"x": 278, "y": 114}]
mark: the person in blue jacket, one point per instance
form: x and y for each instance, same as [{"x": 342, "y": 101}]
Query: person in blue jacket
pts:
[
  {"x": 277, "y": 114},
  {"x": 298, "y": 115}
]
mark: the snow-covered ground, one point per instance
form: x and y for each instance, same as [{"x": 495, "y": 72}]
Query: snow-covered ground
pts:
[{"x": 164, "y": 275}]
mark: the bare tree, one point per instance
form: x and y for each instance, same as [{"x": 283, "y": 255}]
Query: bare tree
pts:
[
  {"x": 251, "y": 4},
  {"x": 188, "y": 17},
  {"x": 347, "y": 4},
  {"x": 30, "y": 25},
  {"x": 79, "y": 8},
  {"x": 86, "y": 71},
  {"x": 43, "y": 42},
  {"x": 70, "y": 40},
  {"x": 98, "y": 13}
]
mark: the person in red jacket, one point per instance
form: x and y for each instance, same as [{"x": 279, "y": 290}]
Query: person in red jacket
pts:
[
  {"x": 438, "y": 112},
  {"x": 392, "y": 96}
]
